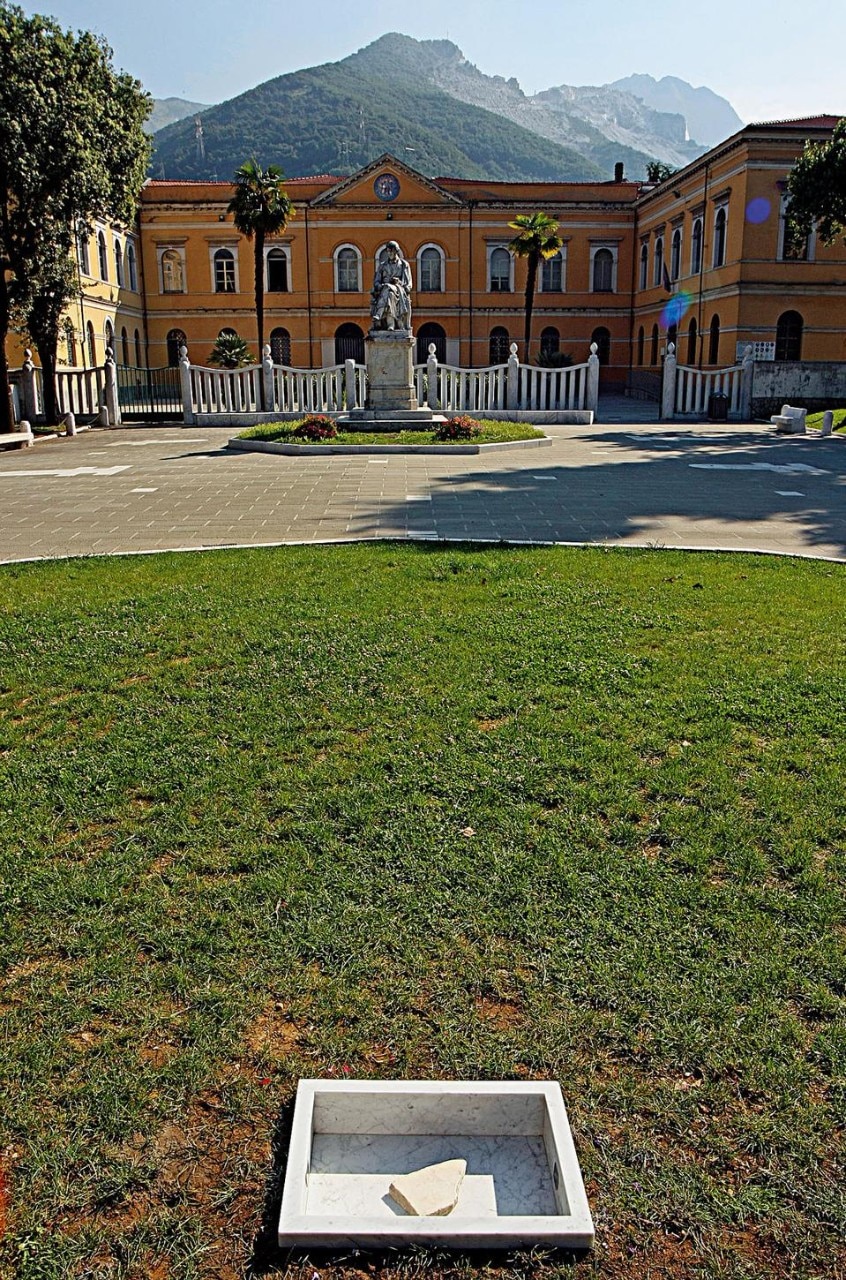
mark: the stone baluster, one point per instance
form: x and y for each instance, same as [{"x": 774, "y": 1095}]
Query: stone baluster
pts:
[
  {"x": 747, "y": 373},
  {"x": 668, "y": 390},
  {"x": 185, "y": 378},
  {"x": 592, "y": 397},
  {"x": 512, "y": 393},
  {"x": 432, "y": 378}
]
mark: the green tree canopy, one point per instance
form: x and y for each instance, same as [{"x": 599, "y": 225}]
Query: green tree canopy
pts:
[
  {"x": 658, "y": 171},
  {"x": 538, "y": 239},
  {"x": 817, "y": 187},
  {"x": 72, "y": 149}
]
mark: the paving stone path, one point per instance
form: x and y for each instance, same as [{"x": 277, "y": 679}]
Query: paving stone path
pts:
[{"x": 153, "y": 488}]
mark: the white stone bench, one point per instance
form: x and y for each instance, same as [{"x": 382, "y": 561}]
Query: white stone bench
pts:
[
  {"x": 790, "y": 422},
  {"x": 17, "y": 439}
]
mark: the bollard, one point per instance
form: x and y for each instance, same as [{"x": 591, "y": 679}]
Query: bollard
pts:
[
  {"x": 827, "y": 423},
  {"x": 69, "y": 421}
]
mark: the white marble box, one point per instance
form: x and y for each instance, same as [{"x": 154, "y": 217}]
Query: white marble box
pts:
[{"x": 350, "y": 1138}]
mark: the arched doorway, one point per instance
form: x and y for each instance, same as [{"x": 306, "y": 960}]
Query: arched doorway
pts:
[
  {"x": 789, "y": 336},
  {"x": 714, "y": 341},
  {"x": 280, "y": 346},
  {"x": 691, "y": 343},
  {"x": 349, "y": 344},
  {"x": 602, "y": 338},
  {"x": 426, "y": 334},
  {"x": 499, "y": 346},
  {"x": 175, "y": 339}
]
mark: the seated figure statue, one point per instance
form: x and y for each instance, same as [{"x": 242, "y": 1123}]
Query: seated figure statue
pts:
[{"x": 390, "y": 306}]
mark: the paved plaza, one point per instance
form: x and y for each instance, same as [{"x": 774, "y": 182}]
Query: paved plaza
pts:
[{"x": 146, "y": 489}]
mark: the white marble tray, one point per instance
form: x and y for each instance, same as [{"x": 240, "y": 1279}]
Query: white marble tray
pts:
[{"x": 350, "y": 1138}]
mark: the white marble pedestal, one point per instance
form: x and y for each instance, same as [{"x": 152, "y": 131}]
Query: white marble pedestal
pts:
[{"x": 388, "y": 356}]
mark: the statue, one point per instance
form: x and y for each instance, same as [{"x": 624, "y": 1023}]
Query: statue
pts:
[{"x": 390, "y": 307}]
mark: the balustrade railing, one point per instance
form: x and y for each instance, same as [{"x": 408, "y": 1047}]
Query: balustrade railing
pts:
[
  {"x": 81, "y": 392},
  {"x": 687, "y": 392}
]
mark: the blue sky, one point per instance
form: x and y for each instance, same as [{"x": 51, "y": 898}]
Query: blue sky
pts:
[{"x": 771, "y": 58}]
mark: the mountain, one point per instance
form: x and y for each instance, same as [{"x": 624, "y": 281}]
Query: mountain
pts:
[
  {"x": 337, "y": 117},
  {"x": 167, "y": 110},
  {"x": 709, "y": 117}
]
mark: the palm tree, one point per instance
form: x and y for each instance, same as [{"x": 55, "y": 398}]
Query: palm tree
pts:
[
  {"x": 261, "y": 208},
  {"x": 538, "y": 239}
]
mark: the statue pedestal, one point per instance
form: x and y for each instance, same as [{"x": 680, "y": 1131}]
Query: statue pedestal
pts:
[{"x": 390, "y": 370}]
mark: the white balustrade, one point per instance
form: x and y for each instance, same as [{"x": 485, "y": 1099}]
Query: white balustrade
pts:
[
  {"x": 80, "y": 392},
  {"x": 694, "y": 388}
]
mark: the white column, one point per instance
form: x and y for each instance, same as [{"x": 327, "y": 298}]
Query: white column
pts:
[
  {"x": 432, "y": 378},
  {"x": 668, "y": 394},
  {"x": 592, "y": 401},
  {"x": 349, "y": 385},
  {"x": 267, "y": 378},
  {"x": 30, "y": 393},
  {"x": 185, "y": 377},
  {"x": 112, "y": 400},
  {"x": 512, "y": 394},
  {"x": 746, "y": 376}
]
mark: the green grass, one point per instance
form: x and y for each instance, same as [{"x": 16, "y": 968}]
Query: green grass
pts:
[
  {"x": 815, "y": 420},
  {"x": 492, "y": 432},
  {"x": 422, "y": 812}
]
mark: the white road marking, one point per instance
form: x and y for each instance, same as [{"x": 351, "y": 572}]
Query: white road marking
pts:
[
  {"x": 789, "y": 493},
  {"x": 553, "y": 478},
  {"x": 417, "y": 497},
  {"x": 140, "y": 444},
  {"x": 788, "y": 469},
  {"x": 63, "y": 473},
  {"x": 143, "y": 490}
]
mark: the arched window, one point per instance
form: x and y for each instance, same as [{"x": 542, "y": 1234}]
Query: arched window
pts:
[
  {"x": 696, "y": 248},
  {"x": 70, "y": 339},
  {"x": 714, "y": 341},
  {"x": 640, "y": 344},
  {"x": 176, "y": 339},
  {"x": 228, "y": 333},
  {"x": 552, "y": 274},
  {"x": 280, "y": 346},
  {"x": 691, "y": 343},
  {"x": 109, "y": 337},
  {"x": 103, "y": 256},
  {"x": 550, "y": 341},
  {"x": 500, "y": 269},
  {"x": 426, "y": 334},
  {"x": 720, "y": 238},
  {"x": 137, "y": 349},
  {"x": 124, "y": 345},
  {"x": 119, "y": 263},
  {"x": 132, "y": 267},
  {"x": 675, "y": 255},
  {"x": 602, "y": 338},
  {"x": 644, "y": 265},
  {"x": 82, "y": 248},
  {"x": 173, "y": 271},
  {"x": 658, "y": 268},
  {"x": 92, "y": 350},
  {"x": 349, "y": 344},
  {"x": 789, "y": 336},
  {"x": 499, "y": 346},
  {"x": 430, "y": 273},
  {"x": 654, "y": 351},
  {"x": 603, "y": 271},
  {"x": 224, "y": 271},
  {"x": 277, "y": 271},
  {"x": 348, "y": 270}
]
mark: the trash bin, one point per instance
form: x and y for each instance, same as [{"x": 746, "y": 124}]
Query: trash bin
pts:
[{"x": 718, "y": 407}]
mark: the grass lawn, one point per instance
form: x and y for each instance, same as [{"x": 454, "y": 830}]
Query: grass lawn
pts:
[
  {"x": 492, "y": 432},
  {"x": 816, "y": 420},
  {"x": 387, "y": 810}
]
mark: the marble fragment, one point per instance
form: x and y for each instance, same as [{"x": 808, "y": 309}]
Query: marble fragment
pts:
[{"x": 431, "y": 1192}]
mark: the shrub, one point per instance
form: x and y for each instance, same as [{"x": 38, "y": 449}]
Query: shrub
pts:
[
  {"x": 316, "y": 428},
  {"x": 462, "y": 428}
]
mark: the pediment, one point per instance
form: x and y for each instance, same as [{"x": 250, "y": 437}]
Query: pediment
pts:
[{"x": 399, "y": 184}]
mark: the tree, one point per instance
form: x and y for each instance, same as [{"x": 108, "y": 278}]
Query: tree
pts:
[
  {"x": 230, "y": 351},
  {"x": 817, "y": 187},
  {"x": 538, "y": 239},
  {"x": 72, "y": 149},
  {"x": 657, "y": 171},
  {"x": 261, "y": 208}
]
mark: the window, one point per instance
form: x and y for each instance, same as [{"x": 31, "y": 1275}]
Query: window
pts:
[
  {"x": 696, "y": 247},
  {"x": 654, "y": 352},
  {"x": 132, "y": 267},
  {"x": 70, "y": 340},
  {"x": 603, "y": 271},
  {"x": 109, "y": 337},
  {"x": 720, "y": 238},
  {"x": 640, "y": 343},
  {"x": 789, "y": 336},
  {"x": 602, "y": 338},
  {"x": 427, "y": 334},
  {"x": 500, "y": 345},
  {"x": 714, "y": 341},
  {"x": 277, "y": 271},
  {"x": 173, "y": 271},
  {"x": 175, "y": 339},
  {"x": 644, "y": 265},
  {"x": 550, "y": 342},
  {"x": 658, "y": 266},
  {"x": 92, "y": 350},
  {"x": 794, "y": 245},
  {"x": 675, "y": 255},
  {"x": 348, "y": 270},
  {"x": 102, "y": 256},
  {"x": 552, "y": 274},
  {"x": 500, "y": 271},
  {"x": 691, "y": 343},
  {"x": 349, "y": 344},
  {"x": 280, "y": 346},
  {"x": 82, "y": 247},
  {"x": 224, "y": 271},
  {"x": 430, "y": 273},
  {"x": 119, "y": 262},
  {"x": 124, "y": 345},
  {"x": 137, "y": 349}
]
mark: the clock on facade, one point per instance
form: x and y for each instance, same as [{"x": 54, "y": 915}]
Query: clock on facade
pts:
[{"x": 386, "y": 186}]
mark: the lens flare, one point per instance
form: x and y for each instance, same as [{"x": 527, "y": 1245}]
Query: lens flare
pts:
[
  {"x": 675, "y": 309},
  {"x": 758, "y": 210}
]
